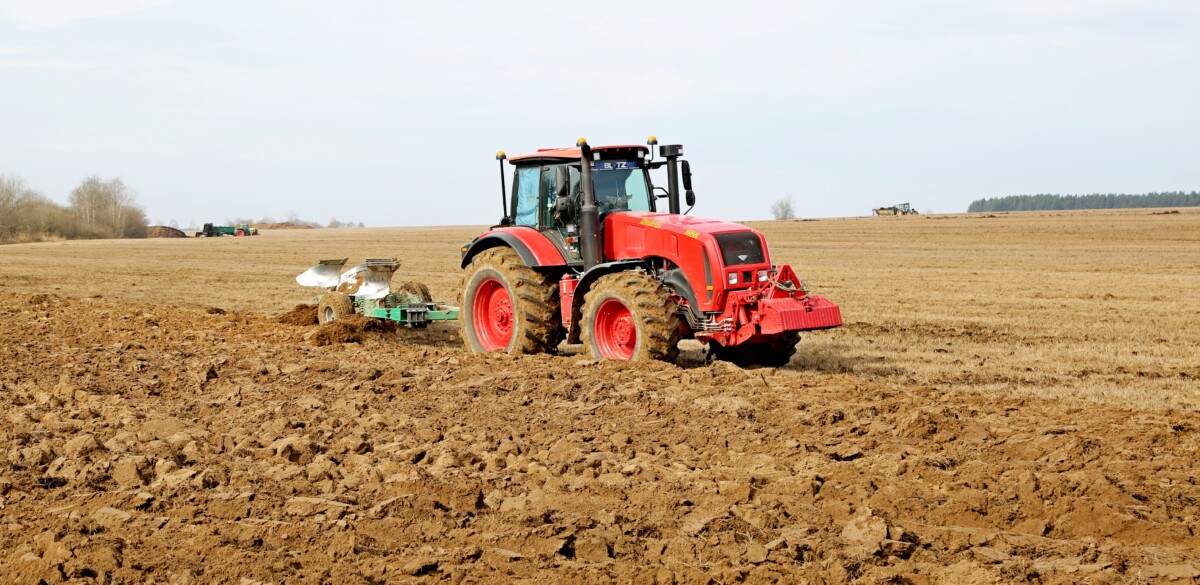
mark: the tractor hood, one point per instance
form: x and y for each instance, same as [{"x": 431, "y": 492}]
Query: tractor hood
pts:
[
  {"x": 635, "y": 234},
  {"x": 684, "y": 225}
]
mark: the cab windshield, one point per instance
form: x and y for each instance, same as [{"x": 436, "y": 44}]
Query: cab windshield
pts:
[{"x": 620, "y": 189}]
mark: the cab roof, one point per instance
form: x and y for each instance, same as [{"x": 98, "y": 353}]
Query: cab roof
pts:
[{"x": 572, "y": 153}]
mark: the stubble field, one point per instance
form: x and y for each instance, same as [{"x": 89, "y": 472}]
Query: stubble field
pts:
[{"x": 1013, "y": 397}]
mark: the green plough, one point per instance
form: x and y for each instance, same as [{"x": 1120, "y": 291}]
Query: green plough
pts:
[{"x": 367, "y": 290}]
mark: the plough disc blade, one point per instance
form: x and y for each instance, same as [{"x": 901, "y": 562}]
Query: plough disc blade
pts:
[
  {"x": 370, "y": 280},
  {"x": 326, "y": 274}
]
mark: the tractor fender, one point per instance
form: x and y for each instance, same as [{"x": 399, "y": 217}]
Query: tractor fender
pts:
[
  {"x": 678, "y": 281},
  {"x": 535, "y": 249},
  {"x": 585, "y": 284}
]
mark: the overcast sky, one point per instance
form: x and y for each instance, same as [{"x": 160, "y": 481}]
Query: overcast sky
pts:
[{"x": 390, "y": 113}]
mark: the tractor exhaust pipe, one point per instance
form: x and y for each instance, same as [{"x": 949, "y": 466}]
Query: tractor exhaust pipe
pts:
[
  {"x": 672, "y": 153},
  {"x": 589, "y": 215}
]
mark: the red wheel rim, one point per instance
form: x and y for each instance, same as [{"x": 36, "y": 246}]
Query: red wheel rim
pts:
[
  {"x": 615, "y": 330},
  {"x": 492, "y": 313}
]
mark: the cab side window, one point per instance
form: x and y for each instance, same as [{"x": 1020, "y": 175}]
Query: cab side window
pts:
[{"x": 525, "y": 196}]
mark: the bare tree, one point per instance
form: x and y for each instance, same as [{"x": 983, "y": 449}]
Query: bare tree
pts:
[
  {"x": 13, "y": 193},
  {"x": 784, "y": 208},
  {"x": 107, "y": 209},
  {"x": 26, "y": 214}
]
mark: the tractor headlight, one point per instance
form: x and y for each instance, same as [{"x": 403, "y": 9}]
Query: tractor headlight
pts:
[
  {"x": 762, "y": 275},
  {"x": 732, "y": 278}
]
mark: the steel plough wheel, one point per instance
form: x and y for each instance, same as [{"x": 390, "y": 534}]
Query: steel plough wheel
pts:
[
  {"x": 334, "y": 306},
  {"x": 629, "y": 316},
  {"x": 415, "y": 290},
  {"x": 508, "y": 306}
]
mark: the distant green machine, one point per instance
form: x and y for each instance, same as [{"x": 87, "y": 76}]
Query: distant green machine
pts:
[
  {"x": 897, "y": 209},
  {"x": 367, "y": 290},
  {"x": 211, "y": 231}
]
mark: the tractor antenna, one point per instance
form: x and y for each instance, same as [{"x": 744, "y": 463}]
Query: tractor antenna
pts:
[{"x": 500, "y": 156}]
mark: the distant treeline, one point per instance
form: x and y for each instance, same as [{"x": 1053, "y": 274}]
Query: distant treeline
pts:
[
  {"x": 296, "y": 221},
  {"x": 95, "y": 209},
  {"x": 1094, "y": 201}
]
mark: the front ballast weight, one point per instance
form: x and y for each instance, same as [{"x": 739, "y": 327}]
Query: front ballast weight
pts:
[{"x": 367, "y": 289}]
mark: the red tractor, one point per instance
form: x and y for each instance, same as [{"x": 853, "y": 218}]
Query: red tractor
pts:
[{"x": 586, "y": 256}]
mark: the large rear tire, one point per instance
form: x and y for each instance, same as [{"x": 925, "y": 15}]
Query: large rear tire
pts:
[
  {"x": 775, "y": 353},
  {"x": 334, "y": 306},
  {"x": 508, "y": 306},
  {"x": 630, "y": 316}
]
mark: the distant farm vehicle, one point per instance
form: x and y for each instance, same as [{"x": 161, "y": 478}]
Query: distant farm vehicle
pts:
[
  {"x": 897, "y": 209},
  {"x": 211, "y": 231},
  {"x": 367, "y": 290},
  {"x": 586, "y": 256}
]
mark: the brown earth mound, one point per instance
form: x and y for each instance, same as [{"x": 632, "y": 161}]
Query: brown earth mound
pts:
[
  {"x": 302, "y": 314},
  {"x": 351, "y": 329},
  {"x": 141, "y": 442},
  {"x": 162, "y": 231}
]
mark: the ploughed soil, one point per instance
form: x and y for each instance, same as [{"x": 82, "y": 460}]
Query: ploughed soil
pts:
[{"x": 148, "y": 443}]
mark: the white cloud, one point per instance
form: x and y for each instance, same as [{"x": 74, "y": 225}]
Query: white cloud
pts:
[{"x": 51, "y": 13}]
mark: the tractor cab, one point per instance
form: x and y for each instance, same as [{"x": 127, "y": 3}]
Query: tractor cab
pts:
[{"x": 547, "y": 190}]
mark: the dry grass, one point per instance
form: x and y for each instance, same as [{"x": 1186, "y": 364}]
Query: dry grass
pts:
[
  {"x": 1094, "y": 306},
  {"x": 1097, "y": 306}
]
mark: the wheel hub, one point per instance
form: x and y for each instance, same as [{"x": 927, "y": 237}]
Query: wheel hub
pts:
[
  {"x": 493, "y": 315},
  {"x": 623, "y": 331},
  {"x": 615, "y": 330}
]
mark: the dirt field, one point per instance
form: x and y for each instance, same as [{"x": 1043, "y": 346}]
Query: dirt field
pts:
[{"x": 1013, "y": 398}]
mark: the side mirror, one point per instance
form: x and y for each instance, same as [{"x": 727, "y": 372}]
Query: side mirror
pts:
[
  {"x": 688, "y": 195},
  {"x": 562, "y": 181},
  {"x": 564, "y": 209}
]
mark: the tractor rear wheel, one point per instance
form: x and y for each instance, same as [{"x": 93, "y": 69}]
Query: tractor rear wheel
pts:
[
  {"x": 629, "y": 316},
  {"x": 334, "y": 306},
  {"x": 775, "y": 353},
  {"x": 508, "y": 306}
]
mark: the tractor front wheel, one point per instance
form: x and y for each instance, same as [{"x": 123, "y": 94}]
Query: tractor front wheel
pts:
[
  {"x": 334, "y": 306},
  {"x": 775, "y": 353},
  {"x": 630, "y": 316},
  {"x": 508, "y": 306}
]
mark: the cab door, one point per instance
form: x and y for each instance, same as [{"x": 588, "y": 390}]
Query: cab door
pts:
[
  {"x": 536, "y": 190},
  {"x": 560, "y": 180}
]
